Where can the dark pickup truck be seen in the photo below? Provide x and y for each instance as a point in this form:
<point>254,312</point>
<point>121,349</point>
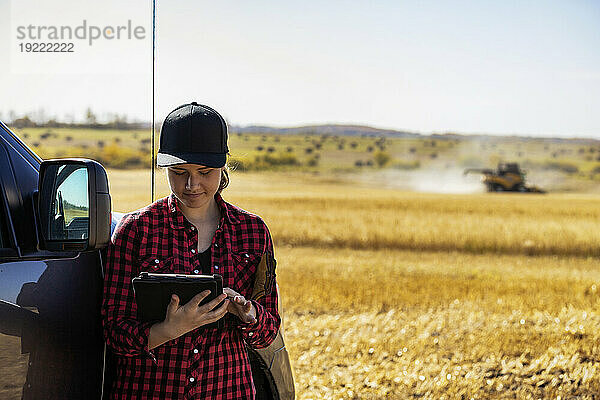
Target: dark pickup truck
<point>55,223</point>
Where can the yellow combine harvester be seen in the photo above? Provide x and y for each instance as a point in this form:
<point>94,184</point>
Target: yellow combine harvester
<point>508,178</point>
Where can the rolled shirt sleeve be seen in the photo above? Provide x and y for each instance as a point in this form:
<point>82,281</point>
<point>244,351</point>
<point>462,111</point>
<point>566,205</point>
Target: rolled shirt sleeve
<point>261,333</point>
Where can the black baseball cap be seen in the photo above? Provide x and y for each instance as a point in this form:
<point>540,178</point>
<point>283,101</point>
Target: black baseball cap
<point>195,134</point>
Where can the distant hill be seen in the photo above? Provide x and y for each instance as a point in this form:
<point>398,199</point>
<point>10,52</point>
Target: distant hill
<point>509,138</point>
<point>368,131</point>
<point>340,130</point>
<point>121,123</point>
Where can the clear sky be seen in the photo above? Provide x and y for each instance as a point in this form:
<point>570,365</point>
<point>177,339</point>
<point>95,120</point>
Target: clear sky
<point>500,67</point>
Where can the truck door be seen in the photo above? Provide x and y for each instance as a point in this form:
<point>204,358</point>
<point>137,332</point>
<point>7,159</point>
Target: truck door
<point>51,344</point>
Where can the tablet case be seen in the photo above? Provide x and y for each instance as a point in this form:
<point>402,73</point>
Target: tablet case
<point>153,293</point>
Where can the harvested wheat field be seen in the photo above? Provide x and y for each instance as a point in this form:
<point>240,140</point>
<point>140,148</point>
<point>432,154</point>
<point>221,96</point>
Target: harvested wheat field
<point>390,294</point>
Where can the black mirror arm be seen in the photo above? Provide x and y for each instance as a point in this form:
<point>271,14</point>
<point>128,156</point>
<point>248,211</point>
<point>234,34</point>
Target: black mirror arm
<point>36,218</point>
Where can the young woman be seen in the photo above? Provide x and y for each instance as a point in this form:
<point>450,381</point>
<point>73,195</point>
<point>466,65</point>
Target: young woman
<point>192,231</point>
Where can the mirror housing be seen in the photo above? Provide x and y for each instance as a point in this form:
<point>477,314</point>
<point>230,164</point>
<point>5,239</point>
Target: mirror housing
<point>73,205</point>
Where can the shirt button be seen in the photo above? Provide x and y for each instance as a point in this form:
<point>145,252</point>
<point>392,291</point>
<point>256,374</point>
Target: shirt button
<point>216,245</point>
<point>246,255</point>
<point>196,271</point>
<point>195,351</point>
<point>193,251</point>
<point>216,267</point>
<point>156,261</point>
<point>192,379</point>
<point>193,228</point>
<point>250,334</point>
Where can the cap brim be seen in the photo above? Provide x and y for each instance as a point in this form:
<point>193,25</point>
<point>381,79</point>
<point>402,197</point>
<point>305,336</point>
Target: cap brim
<point>213,160</point>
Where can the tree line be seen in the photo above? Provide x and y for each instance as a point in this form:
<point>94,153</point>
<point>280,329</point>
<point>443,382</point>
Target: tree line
<point>89,121</point>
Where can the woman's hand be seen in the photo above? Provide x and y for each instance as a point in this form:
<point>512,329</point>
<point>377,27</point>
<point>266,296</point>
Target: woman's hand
<point>182,319</point>
<point>241,307</point>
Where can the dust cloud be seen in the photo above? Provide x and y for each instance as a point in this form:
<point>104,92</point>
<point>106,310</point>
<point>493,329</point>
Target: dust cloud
<point>449,181</point>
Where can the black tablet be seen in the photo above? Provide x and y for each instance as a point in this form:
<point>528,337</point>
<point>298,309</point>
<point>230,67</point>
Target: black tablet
<point>153,293</point>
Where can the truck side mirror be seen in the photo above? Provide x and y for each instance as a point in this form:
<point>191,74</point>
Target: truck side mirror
<point>74,205</point>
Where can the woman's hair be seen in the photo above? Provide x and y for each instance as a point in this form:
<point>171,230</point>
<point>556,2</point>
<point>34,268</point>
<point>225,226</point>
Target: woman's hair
<point>224,178</point>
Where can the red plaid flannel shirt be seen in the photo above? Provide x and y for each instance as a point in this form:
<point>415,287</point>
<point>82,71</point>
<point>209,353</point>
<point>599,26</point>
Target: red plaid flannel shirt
<point>206,363</point>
